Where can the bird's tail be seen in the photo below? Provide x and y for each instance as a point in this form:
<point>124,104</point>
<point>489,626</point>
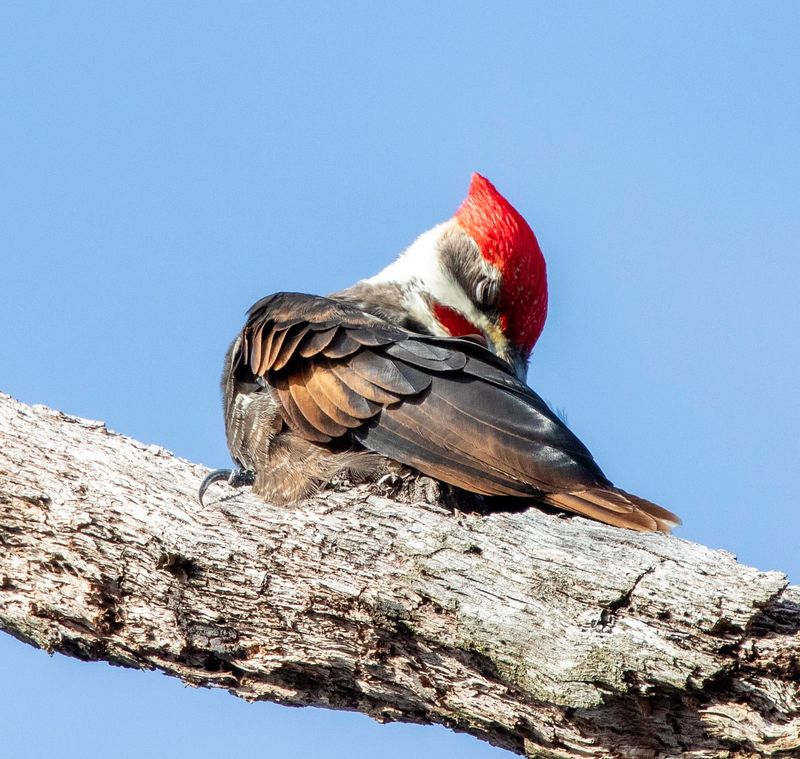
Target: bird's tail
<point>616,507</point>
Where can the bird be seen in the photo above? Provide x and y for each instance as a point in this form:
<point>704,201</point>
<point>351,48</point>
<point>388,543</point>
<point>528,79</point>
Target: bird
<point>423,365</point>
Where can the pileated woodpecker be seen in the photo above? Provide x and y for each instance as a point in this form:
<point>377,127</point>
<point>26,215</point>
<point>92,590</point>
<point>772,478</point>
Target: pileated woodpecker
<point>423,364</point>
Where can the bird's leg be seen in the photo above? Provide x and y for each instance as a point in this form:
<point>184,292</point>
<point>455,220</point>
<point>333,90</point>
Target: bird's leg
<point>236,478</point>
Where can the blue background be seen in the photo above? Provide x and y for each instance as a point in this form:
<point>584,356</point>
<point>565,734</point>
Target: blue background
<point>163,165</point>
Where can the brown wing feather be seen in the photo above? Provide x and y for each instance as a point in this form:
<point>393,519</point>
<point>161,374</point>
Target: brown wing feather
<point>325,387</point>
<point>278,337</point>
<point>342,345</point>
<point>611,507</point>
<point>266,338</point>
<point>316,342</point>
<point>341,395</point>
<point>294,416</point>
<point>421,448</point>
<point>289,346</point>
<point>362,386</point>
<point>311,410</point>
<point>382,371</point>
<point>258,346</point>
<point>479,459</point>
<point>373,337</point>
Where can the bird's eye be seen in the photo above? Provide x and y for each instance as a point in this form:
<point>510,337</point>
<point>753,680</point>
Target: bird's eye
<point>487,293</point>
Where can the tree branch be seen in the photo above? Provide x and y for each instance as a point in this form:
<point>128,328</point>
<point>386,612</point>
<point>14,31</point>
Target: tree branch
<point>548,636</point>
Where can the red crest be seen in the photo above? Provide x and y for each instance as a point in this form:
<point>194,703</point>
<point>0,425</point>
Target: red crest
<point>508,243</point>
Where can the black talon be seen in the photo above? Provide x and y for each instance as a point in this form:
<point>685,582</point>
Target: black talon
<point>236,478</point>
<point>211,478</point>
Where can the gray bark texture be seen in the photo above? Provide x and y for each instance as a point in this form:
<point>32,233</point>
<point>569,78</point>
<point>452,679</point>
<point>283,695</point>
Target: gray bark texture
<point>548,636</point>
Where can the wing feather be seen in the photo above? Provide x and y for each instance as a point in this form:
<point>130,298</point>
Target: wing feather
<point>316,341</point>
<point>432,357</point>
<point>287,350</point>
<point>372,338</point>
<point>387,374</point>
<point>278,338</point>
<point>342,345</point>
<point>266,340</point>
<point>255,355</point>
<point>364,397</point>
<point>312,412</point>
<point>612,507</point>
<point>362,386</point>
<point>494,433</point>
<point>412,447</point>
<point>325,387</point>
<point>292,414</point>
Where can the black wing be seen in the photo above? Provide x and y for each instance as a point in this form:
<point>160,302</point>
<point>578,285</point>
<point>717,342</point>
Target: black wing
<point>445,406</point>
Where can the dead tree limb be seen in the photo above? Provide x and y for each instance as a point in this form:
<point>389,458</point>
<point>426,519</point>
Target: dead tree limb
<point>550,637</point>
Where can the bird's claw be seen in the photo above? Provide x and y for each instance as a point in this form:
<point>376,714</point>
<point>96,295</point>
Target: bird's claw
<point>389,483</point>
<point>236,478</point>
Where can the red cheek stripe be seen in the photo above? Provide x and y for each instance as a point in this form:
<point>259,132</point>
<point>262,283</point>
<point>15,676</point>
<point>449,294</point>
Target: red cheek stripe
<point>454,322</point>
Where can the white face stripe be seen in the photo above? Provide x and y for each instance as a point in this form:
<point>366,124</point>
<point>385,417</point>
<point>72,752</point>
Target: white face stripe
<point>420,267</point>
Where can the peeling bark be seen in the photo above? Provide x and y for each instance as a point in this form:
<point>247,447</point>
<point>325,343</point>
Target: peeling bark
<point>548,636</point>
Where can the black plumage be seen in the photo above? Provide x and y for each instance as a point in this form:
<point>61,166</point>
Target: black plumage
<point>312,385</point>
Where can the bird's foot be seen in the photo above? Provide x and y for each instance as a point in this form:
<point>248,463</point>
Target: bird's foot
<point>236,478</point>
<point>390,483</point>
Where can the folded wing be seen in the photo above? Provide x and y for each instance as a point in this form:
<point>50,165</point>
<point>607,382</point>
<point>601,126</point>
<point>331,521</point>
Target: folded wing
<point>447,407</point>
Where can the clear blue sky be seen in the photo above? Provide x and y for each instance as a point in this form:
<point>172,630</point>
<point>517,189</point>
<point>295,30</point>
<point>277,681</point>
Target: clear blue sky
<point>163,165</point>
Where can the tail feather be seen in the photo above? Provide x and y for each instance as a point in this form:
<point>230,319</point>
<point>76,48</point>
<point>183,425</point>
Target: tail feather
<point>616,507</point>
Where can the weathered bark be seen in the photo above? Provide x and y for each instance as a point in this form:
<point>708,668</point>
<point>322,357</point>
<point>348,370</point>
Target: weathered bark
<point>548,636</point>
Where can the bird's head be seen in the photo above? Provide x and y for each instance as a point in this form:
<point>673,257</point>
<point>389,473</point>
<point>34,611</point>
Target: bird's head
<point>481,272</point>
